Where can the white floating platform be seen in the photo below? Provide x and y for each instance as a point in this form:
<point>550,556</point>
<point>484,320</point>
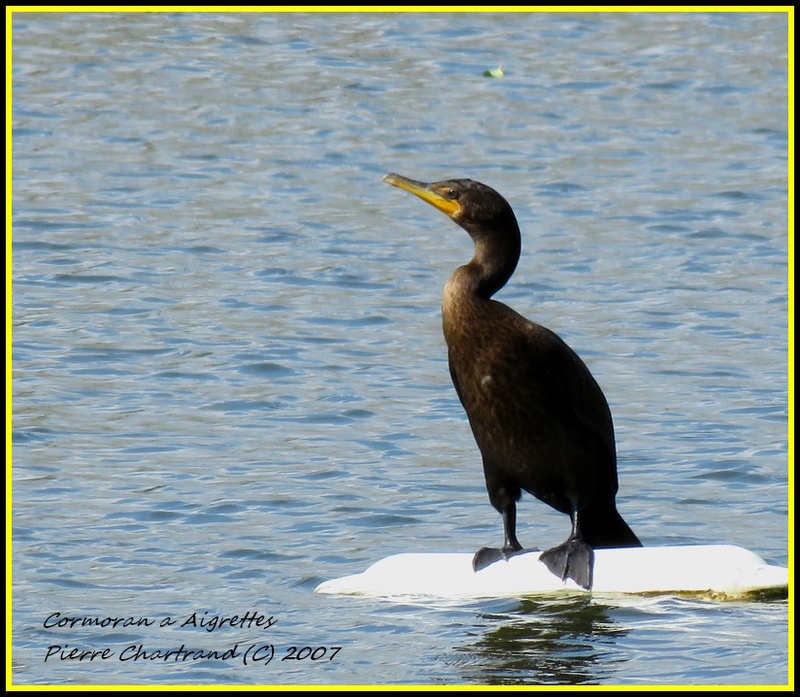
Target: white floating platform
<point>724,570</point>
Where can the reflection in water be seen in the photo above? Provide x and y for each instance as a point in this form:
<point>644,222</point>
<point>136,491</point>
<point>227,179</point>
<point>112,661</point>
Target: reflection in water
<point>550,642</point>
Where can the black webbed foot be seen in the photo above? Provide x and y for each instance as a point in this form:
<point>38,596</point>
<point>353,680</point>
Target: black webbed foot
<point>572,559</point>
<point>486,556</point>
<point>489,555</point>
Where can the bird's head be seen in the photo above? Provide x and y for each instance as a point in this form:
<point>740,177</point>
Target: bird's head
<point>474,206</point>
<point>485,215</point>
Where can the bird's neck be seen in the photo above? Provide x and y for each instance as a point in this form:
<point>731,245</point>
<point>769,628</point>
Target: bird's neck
<point>491,272</point>
<point>494,260</point>
<point>467,309</point>
<point>472,285</point>
<point>467,293</point>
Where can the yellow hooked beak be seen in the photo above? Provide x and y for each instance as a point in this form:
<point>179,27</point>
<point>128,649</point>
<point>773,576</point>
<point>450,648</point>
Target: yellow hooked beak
<point>427,192</point>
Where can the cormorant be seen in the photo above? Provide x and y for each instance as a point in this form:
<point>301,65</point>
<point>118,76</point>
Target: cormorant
<point>539,418</point>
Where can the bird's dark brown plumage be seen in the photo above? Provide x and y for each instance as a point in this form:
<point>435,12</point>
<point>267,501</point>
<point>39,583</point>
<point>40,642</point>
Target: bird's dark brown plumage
<point>539,418</point>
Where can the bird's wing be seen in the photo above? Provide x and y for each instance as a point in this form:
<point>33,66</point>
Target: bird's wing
<point>564,373</point>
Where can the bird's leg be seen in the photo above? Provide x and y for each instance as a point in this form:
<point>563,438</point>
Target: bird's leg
<point>512,544</point>
<point>488,555</point>
<point>572,559</point>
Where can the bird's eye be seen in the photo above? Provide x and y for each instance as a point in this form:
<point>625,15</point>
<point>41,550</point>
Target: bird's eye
<point>452,194</point>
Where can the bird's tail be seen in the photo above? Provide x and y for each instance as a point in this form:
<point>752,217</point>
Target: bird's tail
<point>606,528</point>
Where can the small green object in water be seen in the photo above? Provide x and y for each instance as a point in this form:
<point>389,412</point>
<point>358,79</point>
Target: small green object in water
<point>497,72</point>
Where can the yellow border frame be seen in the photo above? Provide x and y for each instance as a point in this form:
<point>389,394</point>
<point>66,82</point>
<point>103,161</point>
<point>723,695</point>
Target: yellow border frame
<point>11,10</point>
